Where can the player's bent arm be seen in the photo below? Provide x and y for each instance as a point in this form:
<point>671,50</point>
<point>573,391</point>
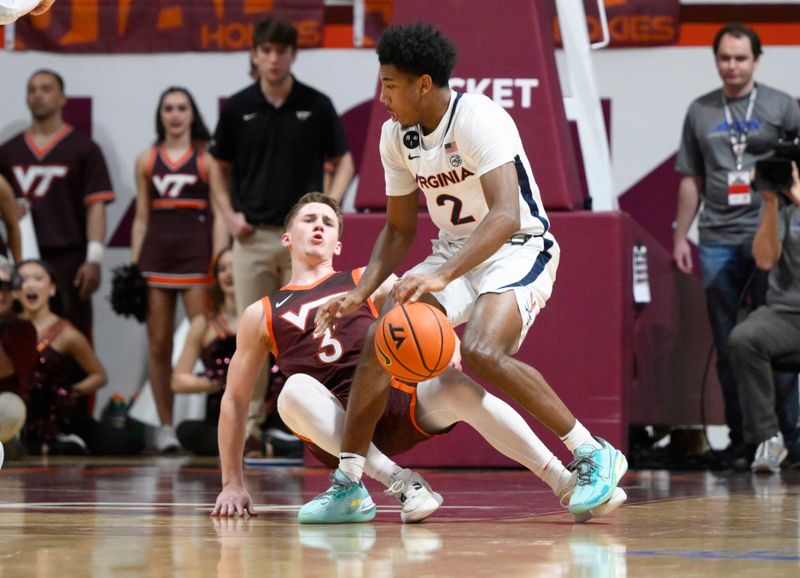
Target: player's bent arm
<point>142,214</point>
<point>501,189</point>
<point>8,211</point>
<point>183,379</point>
<point>392,244</point>
<point>252,345</point>
<point>766,242</point>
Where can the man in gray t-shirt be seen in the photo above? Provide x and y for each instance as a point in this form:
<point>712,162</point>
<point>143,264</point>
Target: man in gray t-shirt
<point>725,132</point>
<point>771,334</point>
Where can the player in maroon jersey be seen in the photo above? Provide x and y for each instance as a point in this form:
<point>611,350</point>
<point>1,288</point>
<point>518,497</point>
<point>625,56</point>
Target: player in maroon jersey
<point>63,175</point>
<point>321,369</point>
<point>172,236</point>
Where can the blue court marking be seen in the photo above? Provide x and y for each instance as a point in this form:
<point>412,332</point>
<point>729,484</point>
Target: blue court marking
<point>780,554</point>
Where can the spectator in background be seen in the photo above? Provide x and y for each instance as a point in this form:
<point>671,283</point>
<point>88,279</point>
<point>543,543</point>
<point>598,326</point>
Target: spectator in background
<point>270,147</point>
<point>771,334</point>
<point>212,339</point>
<point>17,362</point>
<point>66,376</point>
<point>725,132</point>
<point>8,214</point>
<point>63,175</point>
<point>172,241</point>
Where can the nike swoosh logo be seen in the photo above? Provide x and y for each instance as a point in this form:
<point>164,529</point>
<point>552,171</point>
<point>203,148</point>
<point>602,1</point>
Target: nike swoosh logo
<point>411,158</point>
<point>248,117</point>
<point>282,301</point>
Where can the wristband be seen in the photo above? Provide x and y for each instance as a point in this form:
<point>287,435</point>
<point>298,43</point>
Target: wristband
<point>94,252</point>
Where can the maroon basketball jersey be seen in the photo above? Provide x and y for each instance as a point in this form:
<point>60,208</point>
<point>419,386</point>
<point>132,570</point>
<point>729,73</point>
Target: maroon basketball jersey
<point>332,358</point>
<point>59,180</point>
<point>179,184</point>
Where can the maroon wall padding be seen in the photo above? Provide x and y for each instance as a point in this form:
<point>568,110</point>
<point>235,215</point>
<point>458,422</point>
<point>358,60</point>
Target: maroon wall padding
<point>613,363</point>
<point>513,43</point>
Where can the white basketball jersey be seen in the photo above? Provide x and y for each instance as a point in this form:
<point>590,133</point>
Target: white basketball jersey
<point>474,136</point>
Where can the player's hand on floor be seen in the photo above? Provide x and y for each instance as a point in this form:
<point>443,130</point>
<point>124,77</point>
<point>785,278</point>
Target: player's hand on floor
<point>331,311</point>
<point>234,501</point>
<point>410,288</point>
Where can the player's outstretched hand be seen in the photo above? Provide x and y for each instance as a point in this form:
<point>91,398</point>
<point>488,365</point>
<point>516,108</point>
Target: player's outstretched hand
<point>410,288</point>
<point>331,311</point>
<point>234,501</point>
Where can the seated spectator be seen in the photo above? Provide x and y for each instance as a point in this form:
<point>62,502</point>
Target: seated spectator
<point>17,361</point>
<point>66,377</point>
<point>212,339</point>
<point>769,338</point>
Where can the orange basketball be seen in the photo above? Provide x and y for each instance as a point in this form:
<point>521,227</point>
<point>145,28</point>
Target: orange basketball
<point>415,342</point>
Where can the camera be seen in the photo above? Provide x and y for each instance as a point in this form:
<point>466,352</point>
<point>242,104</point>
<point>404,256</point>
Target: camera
<point>775,174</point>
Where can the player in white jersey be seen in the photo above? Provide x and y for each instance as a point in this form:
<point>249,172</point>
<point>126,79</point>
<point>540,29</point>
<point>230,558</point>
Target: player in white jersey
<point>493,266</point>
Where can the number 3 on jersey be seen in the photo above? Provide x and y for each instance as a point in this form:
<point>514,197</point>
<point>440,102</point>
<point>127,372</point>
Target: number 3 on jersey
<point>455,214</point>
<point>330,350</point>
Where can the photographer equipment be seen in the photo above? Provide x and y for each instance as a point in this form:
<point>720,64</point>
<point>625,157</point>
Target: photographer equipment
<point>775,174</point>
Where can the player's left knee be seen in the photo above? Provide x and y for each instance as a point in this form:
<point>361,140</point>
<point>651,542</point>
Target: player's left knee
<point>479,354</point>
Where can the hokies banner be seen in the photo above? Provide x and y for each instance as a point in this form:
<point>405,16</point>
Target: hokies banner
<point>633,22</point>
<point>109,26</point>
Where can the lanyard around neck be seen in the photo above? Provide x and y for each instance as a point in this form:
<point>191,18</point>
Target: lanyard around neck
<point>739,139</point>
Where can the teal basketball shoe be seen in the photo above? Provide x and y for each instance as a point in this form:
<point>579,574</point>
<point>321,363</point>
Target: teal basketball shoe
<point>598,472</point>
<point>344,502</point>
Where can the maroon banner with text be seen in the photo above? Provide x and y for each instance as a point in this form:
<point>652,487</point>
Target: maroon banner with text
<point>109,26</point>
<point>633,22</point>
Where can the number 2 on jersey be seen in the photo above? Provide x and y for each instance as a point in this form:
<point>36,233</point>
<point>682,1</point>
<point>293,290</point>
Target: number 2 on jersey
<point>455,214</point>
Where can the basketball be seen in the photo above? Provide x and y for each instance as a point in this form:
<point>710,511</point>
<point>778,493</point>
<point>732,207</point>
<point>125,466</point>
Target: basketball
<point>415,342</point>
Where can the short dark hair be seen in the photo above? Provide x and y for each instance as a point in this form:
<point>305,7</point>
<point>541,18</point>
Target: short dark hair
<point>309,198</point>
<point>198,130</point>
<point>275,31</point>
<point>739,30</point>
<point>418,49</point>
<point>53,73</point>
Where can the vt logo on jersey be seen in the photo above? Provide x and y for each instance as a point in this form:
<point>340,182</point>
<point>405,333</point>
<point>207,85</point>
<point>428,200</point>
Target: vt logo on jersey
<point>43,174</point>
<point>170,186</point>
<point>300,318</point>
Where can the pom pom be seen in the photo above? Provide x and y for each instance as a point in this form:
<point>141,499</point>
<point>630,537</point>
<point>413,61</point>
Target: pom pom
<point>129,292</point>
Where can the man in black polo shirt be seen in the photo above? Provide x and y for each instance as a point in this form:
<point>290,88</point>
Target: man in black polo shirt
<point>270,147</point>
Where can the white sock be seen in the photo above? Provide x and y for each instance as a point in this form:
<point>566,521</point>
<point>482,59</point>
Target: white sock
<point>455,397</point>
<point>579,436</point>
<point>352,465</point>
<point>314,413</point>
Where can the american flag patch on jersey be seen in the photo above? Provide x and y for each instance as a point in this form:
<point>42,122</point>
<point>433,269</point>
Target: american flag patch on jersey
<point>451,147</point>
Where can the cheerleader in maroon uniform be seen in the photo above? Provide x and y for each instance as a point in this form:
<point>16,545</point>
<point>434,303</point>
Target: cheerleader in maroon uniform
<point>173,238</point>
<point>65,378</point>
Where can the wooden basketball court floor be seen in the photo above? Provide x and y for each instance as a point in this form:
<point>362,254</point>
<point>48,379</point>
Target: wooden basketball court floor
<point>149,517</point>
